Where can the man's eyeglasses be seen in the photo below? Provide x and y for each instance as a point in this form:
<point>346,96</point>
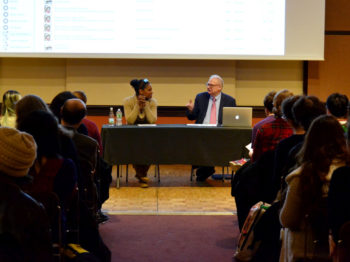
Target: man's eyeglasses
<point>211,85</point>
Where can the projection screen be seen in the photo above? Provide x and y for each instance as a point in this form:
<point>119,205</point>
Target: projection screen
<point>165,29</point>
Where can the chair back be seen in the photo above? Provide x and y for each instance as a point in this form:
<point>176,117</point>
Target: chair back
<point>73,218</point>
<point>316,243</point>
<point>53,210</point>
<point>343,245</point>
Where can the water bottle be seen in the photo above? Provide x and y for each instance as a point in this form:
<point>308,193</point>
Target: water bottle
<point>119,117</point>
<point>111,117</point>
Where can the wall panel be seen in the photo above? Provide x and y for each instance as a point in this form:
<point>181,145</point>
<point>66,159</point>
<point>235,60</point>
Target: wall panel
<point>337,15</point>
<point>331,75</point>
<point>43,77</point>
<point>174,82</point>
<point>106,81</point>
<point>256,78</point>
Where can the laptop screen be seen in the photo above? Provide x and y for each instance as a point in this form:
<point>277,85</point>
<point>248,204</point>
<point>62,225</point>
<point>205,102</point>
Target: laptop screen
<point>237,117</point>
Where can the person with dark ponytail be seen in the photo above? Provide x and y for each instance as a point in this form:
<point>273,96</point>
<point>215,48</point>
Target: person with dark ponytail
<point>141,108</point>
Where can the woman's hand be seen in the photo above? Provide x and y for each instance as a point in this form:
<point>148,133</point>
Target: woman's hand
<point>142,101</point>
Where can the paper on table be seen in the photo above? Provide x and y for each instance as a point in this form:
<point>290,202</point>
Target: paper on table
<point>146,125</point>
<point>201,124</point>
<point>249,146</point>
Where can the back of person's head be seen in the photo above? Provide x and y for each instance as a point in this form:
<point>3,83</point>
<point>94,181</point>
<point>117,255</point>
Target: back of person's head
<point>324,140</point>
<point>337,105</point>
<point>17,152</point>
<point>138,84</point>
<point>9,100</point>
<point>268,100</point>
<point>287,113</point>
<point>278,99</point>
<point>43,127</point>
<point>58,101</point>
<point>306,109</point>
<point>28,104</point>
<point>73,111</point>
<point>81,95</point>
<point>324,143</point>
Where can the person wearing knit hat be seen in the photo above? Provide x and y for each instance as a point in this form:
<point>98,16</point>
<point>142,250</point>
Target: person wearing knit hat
<point>24,225</point>
<point>17,152</point>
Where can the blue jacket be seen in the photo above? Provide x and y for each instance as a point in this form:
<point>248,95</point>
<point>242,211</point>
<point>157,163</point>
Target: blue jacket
<point>201,106</point>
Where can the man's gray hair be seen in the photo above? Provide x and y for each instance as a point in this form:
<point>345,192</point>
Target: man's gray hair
<point>217,77</point>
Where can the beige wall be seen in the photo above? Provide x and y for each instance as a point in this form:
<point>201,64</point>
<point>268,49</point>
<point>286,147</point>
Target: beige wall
<point>332,74</point>
<point>106,81</point>
<point>174,82</point>
<point>256,78</point>
<point>43,77</point>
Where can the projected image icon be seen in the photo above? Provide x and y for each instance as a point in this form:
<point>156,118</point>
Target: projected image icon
<point>47,37</point>
<point>47,9</point>
<point>47,28</point>
<point>47,19</point>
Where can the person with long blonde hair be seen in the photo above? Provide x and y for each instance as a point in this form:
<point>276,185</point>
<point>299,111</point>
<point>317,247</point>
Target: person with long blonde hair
<point>8,106</point>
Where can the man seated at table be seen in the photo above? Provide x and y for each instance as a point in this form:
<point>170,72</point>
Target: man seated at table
<point>207,109</point>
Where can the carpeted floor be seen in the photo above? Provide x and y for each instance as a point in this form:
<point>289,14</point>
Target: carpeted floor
<point>146,225</point>
<point>170,238</point>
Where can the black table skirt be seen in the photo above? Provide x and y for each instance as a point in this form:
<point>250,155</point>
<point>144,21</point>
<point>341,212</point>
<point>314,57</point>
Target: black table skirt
<point>174,144</point>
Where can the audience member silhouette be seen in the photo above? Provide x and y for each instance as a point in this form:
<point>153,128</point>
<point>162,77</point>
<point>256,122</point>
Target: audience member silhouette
<point>90,125</point>
<point>339,213</point>
<point>103,177</point>
<point>269,134</point>
<point>73,112</point>
<point>24,226</point>
<point>285,145</point>
<point>268,107</point>
<point>337,106</point>
<point>304,110</point>
<point>8,114</point>
<point>31,103</point>
<point>323,151</point>
<point>51,172</point>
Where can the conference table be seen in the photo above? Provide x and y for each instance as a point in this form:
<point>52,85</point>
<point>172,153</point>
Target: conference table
<point>192,144</point>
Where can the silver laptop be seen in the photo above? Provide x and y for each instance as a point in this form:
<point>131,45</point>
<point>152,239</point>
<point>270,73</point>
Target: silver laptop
<point>237,117</point>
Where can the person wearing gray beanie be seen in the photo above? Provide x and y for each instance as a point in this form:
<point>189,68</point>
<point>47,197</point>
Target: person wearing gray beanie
<point>17,152</point>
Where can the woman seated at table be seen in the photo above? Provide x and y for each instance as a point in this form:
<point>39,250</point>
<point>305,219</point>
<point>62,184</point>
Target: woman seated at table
<point>141,108</point>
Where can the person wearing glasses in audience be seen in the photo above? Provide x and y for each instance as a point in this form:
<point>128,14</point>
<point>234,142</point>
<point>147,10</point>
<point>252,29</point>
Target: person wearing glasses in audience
<point>141,108</point>
<point>207,109</point>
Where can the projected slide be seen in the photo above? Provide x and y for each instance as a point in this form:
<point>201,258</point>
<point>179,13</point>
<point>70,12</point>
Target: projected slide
<point>220,27</point>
